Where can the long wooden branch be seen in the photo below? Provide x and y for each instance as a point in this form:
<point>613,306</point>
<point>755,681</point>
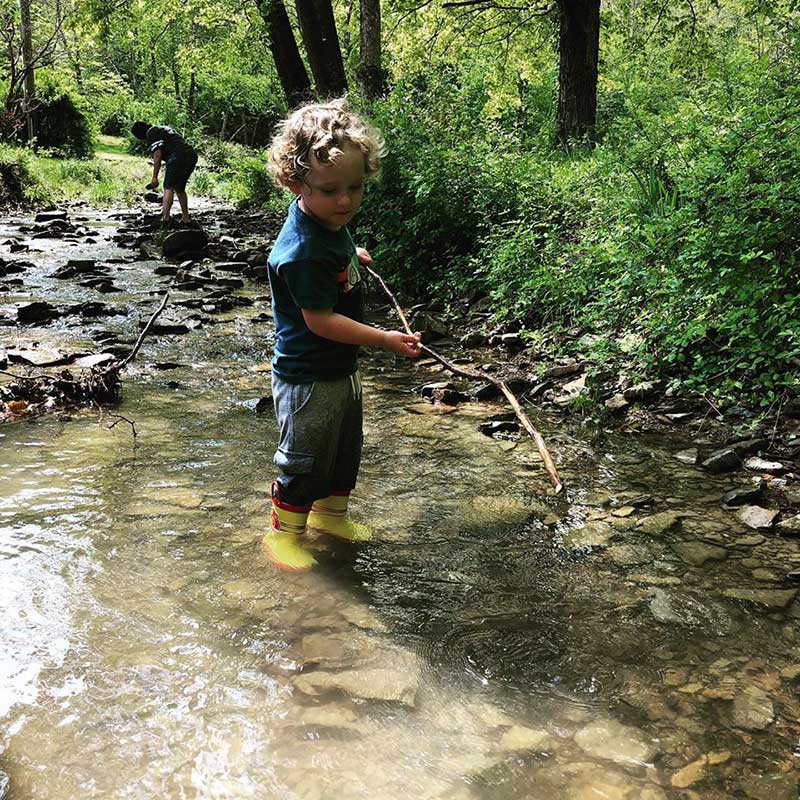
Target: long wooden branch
<point>477,375</point>
<point>144,332</point>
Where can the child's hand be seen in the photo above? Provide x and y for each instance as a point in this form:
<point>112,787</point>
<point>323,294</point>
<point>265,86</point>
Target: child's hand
<point>364,258</point>
<point>152,185</point>
<point>403,344</point>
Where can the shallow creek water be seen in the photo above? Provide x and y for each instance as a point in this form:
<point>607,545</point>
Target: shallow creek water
<point>490,642</point>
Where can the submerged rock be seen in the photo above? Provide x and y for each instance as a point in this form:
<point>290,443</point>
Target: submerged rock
<point>399,686</point>
<point>772,599</point>
<point>697,553</point>
<point>656,524</point>
<point>521,738</point>
<point>752,709</point>
<point>771,787</point>
<point>613,741</point>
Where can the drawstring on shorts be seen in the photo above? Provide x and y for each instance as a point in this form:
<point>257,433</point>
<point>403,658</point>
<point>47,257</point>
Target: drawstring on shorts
<point>355,385</point>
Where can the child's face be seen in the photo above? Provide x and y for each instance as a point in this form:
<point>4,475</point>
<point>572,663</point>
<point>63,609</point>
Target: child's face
<point>332,193</point>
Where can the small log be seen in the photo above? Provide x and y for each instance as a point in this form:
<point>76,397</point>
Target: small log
<point>477,375</point>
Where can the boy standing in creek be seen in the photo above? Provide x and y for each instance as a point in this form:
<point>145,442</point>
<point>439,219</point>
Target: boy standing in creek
<point>323,154</point>
<point>170,148</point>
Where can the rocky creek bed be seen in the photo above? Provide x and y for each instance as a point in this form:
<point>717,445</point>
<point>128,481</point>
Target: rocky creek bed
<point>633,639</point>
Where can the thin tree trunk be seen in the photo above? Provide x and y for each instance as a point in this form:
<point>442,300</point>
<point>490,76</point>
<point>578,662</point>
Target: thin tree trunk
<point>192,93</point>
<point>318,29</point>
<point>288,63</point>
<point>27,65</point>
<point>371,74</point>
<point>579,43</point>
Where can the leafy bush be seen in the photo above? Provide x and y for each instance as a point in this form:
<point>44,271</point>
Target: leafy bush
<point>16,180</point>
<point>61,122</point>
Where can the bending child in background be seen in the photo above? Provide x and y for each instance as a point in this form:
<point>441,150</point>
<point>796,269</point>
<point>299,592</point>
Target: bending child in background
<point>323,154</point>
<point>169,147</point>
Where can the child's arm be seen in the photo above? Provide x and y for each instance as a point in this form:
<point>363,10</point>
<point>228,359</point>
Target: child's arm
<point>342,329</point>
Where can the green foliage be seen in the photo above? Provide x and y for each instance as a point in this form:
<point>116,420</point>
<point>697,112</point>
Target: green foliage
<point>61,122</point>
<point>17,184</point>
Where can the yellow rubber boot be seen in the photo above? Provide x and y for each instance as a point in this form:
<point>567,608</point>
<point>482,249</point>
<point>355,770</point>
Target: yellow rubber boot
<point>330,516</point>
<point>283,543</point>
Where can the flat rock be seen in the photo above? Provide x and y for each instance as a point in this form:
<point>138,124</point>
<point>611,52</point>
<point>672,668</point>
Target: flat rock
<point>753,540</point>
<point>38,311</point>
<point>189,240</point>
<point>789,527</point>
<point>688,456</point>
<point>613,741</point>
<point>662,608</point>
<point>231,266</point>
<point>761,465</point>
<point>743,495</point>
<point>656,524</point>
<point>724,460</point>
<point>97,360</point>
<point>690,774</point>
<point>592,534</point>
<point>697,553</point>
<point>752,709</point>
<point>772,599</point>
<point>398,686</point>
<point>332,717</point>
<point>628,555</point>
<point>616,403</point>
<point>757,517</point>
<point>521,738</point>
<point>770,787</point>
<point>47,216</point>
<point>430,408</point>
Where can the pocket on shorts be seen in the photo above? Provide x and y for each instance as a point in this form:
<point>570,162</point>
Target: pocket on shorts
<point>299,397</point>
<point>291,462</point>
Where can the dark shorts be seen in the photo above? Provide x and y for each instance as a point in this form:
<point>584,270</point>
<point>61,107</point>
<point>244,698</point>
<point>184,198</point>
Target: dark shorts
<point>179,167</point>
<point>320,437</point>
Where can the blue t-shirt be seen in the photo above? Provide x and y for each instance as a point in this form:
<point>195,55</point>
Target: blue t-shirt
<point>314,268</point>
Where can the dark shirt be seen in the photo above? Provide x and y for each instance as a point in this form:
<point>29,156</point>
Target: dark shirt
<point>313,268</point>
<point>164,138</point>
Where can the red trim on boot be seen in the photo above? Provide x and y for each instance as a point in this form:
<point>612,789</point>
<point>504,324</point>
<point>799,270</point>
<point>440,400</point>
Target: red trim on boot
<point>284,505</point>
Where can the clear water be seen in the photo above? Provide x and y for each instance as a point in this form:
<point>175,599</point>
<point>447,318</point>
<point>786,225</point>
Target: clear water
<point>474,649</point>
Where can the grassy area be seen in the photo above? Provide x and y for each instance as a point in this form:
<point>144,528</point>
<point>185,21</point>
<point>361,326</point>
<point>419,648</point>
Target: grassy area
<point>113,177</point>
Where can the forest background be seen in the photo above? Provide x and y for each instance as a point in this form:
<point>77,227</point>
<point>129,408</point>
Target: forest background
<point>617,181</point>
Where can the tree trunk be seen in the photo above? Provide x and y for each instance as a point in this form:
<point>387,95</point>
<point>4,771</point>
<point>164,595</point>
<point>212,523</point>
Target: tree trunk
<point>579,43</point>
<point>27,64</point>
<point>288,63</point>
<point>321,42</point>
<point>371,74</point>
<point>192,93</point>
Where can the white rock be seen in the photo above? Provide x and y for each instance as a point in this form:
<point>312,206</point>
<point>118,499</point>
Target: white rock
<point>613,741</point>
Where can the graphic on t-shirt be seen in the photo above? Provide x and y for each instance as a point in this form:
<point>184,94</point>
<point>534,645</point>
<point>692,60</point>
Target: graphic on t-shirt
<point>350,276</point>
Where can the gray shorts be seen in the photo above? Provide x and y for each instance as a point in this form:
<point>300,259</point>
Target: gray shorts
<point>321,436</point>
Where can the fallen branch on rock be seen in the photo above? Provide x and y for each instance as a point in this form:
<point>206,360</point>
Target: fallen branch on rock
<point>32,395</point>
<point>477,375</point>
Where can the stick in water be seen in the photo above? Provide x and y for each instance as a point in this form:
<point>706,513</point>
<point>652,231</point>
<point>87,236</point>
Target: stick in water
<point>476,375</point>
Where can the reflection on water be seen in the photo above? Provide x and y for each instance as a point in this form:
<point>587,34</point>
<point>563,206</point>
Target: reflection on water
<point>491,642</point>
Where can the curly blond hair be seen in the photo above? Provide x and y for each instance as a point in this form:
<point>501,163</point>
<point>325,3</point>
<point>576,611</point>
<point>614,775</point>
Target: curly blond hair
<point>322,130</point>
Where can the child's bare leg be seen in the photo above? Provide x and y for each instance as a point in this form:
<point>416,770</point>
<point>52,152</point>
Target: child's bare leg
<point>169,196</point>
<point>184,203</point>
